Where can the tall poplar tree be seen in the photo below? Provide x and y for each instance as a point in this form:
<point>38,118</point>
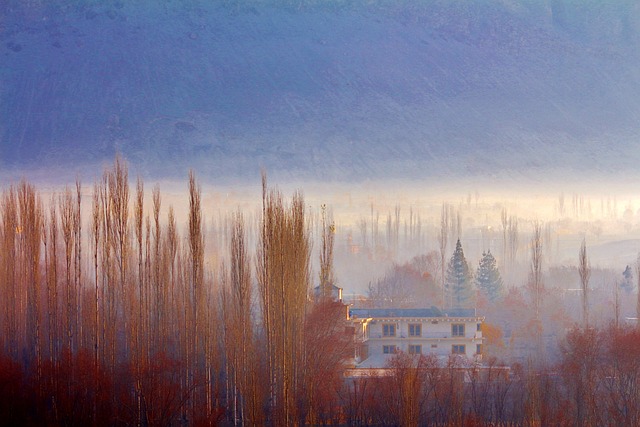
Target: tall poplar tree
<point>283,274</point>
<point>584,269</point>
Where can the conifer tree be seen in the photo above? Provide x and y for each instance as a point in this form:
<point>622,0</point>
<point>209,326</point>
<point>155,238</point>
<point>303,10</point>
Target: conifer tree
<point>459,285</point>
<point>488,278</point>
<point>627,281</point>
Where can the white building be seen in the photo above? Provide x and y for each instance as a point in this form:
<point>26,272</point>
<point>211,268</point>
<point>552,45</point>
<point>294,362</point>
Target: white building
<point>380,333</point>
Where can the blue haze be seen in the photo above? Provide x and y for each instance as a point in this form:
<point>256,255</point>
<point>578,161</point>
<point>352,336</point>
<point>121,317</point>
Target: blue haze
<point>326,90</point>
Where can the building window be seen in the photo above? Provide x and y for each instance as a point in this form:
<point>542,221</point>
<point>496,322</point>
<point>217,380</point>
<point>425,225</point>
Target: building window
<point>389,349</point>
<point>479,327</point>
<point>415,349</point>
<point>458,349</point>
<point>457,330</point>
<point>434,345</point>
<point>415,329</point>
<point>478,348</point>
<point>389,330</point>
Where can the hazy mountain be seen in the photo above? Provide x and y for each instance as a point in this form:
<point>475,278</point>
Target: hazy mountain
<point>337,90</point>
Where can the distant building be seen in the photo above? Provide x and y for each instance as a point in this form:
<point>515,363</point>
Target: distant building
<point>381,333</point>
<point>329,291</point>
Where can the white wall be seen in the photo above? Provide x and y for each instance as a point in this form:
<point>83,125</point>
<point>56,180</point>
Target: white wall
<point>436,336</point>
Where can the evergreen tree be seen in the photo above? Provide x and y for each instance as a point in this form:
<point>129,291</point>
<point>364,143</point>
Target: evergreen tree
<point>459,284</point>
<point>627,282</point>
<point>488,277</point>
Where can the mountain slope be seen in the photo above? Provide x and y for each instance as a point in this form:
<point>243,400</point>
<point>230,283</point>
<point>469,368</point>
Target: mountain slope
<point>333,90</point>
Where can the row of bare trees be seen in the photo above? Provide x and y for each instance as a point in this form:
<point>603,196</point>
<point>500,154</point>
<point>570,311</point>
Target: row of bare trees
<point>127,323</point>
<point>595,383</point>
<point>422,390</point>
<point>600,369</point>
<point>114,315</point>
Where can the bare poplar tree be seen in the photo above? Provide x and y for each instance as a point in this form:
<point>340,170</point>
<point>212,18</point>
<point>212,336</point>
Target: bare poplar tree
<point>584,270</point>
<point>30,221</point>
<point>512,233</point>
<point>616,304</point>
<point>453,232</point>
<point>77,265</point>
<point>283,277</point>
<point>375,229</point>
<point>504,222</point>
<point>638,287</point>
<point>196,258</point>
<point>241,343</point>
<point>107,277</point>
<point>536,286</point>
<point>96,216</point>
<point>54,297</point>
<point>119,238</point>
<point>171,252</point>
<point>443,240</point>
<point>327,278</point>
<point>362,226</point>
<point>147,302</point>
<point>49,237</point>
<point>159,288</point>
<point>67,212</point>
<point>389,233</point>
<point>138,327</point>
<point>396,230</point>
<point>10,232</point>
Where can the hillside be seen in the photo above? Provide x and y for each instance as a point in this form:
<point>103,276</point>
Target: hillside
<point>341,90</point>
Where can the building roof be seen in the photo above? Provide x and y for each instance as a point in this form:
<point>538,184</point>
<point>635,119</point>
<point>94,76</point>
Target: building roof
<point>333,287</point>
<point>411,312</point>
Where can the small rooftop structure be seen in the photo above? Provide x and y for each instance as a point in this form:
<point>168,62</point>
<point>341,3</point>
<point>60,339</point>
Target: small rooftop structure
<point>330,290</point>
